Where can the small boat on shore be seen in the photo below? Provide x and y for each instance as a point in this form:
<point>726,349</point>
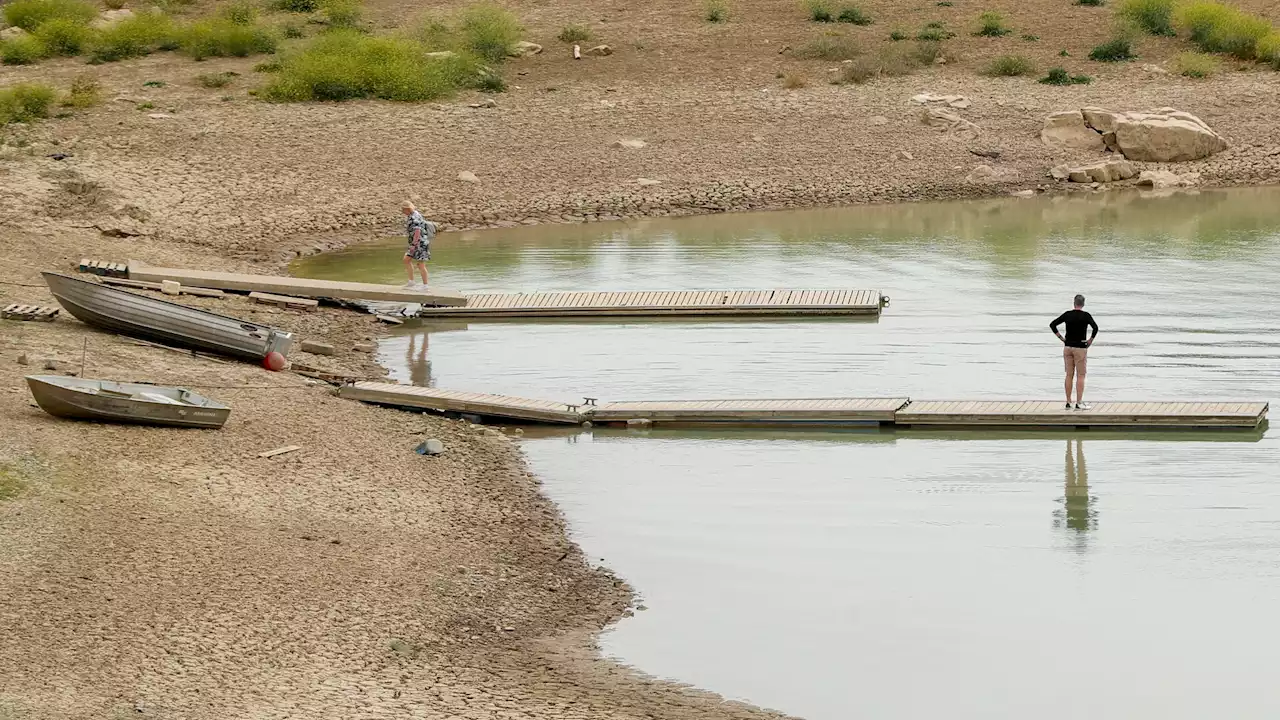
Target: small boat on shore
<point>165,322</point>
<point>107,401</point>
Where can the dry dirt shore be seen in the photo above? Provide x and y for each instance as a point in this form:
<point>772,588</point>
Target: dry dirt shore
<point>158,573</point>
<point>149,572</point>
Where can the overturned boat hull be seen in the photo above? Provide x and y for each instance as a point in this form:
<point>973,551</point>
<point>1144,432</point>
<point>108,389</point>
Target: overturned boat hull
<point>165,322</point>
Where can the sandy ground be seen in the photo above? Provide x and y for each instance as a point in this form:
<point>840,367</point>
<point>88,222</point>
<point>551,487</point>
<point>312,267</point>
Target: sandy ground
<point>153,572</point>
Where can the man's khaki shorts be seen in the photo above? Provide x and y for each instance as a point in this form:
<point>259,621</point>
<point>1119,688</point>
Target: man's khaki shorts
<point>1076,360</point>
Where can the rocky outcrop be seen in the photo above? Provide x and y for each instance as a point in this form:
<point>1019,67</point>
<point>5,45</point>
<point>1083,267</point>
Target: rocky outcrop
<point>1164,135</point>
<point>110,17</point>
<point>1102,171</point>
<point>1162,179</point>
<point>1067,130</point>
<point>599,51</point>
<point>949,122</point>
<point>987,175</point>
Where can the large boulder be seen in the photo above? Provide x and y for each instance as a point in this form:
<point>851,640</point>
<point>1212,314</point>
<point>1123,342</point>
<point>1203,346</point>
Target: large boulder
<point>1166,135</point>
<point>1067,131</point>
<point>12,33</point>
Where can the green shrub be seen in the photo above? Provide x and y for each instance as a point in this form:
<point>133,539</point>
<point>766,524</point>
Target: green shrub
<point>240,12</point>
<point>297,6</point>
<point>1269,49</point>
<point>489,31</point>
<point>25,102</point>
<point>1153,16</point>
<point>85,92</point>
<point>716,11</point>
<point>1059,76</point>
<point>893,61</point>
<point>574,34</point>
<point>1196,65</point>
<point>1031,38</point>
<point>1199,19</point>
<point>63,36</point>
<point>854,15</point>
<point>828,48</point>
<point>898,35</point>
<point>1238,36</point>
<point>291,30</point>
<point>342,13</point>
<point>136,36</point>
<point>345,65</point>
<point>491,82</point>
<point>820,11</point>
<point>21,50</point>
<point>114,4</point>
<point>1116,50</point>
<point>31,14</point>
<point>934,32</point>
<point>794,80</point>
<point>223,38</point>
<point>927,51</point>
<point>1091,3</point>
<point>215,80</point>
<point>991,24</point>
<point>1010,66</point>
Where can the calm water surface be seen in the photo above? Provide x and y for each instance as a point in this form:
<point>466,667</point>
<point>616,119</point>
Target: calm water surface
<point>911,574</point>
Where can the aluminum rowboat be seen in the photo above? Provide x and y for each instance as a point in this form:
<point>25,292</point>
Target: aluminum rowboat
<point>106,401</point>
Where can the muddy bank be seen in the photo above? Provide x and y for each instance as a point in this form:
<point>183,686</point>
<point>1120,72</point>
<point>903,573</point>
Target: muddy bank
<point>156,572</point>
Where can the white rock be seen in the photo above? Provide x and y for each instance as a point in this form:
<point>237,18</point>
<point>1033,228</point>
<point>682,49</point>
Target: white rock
<point>958,102</point>
<point>1101,171</point>
<point>646,182</point>
<point>1066,130</point>
<point>467,176</point>
<point>1023,193</point>
<point>441,54</point>
<point>486,103</point>
<point>524,48</point>
<point>11,33</point>
<point>159,116</point>
<point>1161,179</point>
<point>950,122</point>
<point>110,17</point>
<point>431,447</point>
<point>985,175</point>
<point>1154,69</point>
<point>629,143</point>
<point>878,120</point>
<point>598,51</point>
<point>903,155</point>
<point>170,287</point>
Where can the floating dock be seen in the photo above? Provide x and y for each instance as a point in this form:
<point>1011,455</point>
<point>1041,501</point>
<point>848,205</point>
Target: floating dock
<point>665,303</point>
<point>898,412</point>
<point>294,287</point>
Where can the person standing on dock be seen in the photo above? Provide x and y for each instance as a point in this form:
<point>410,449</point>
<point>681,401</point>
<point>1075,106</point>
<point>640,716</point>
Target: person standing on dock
<point>420,232</point>
<point>1075,350</point>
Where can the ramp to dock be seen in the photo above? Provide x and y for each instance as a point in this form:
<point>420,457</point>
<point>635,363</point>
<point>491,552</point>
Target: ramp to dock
<point>661,303</point>
<point>899,412</point>
<point>501,406</point>
<point>295,287</point>
<point>1046,413</point>
<point>817,411</point>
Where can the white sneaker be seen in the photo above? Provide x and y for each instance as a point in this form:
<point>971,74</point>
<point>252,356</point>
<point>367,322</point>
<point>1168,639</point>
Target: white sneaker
<point>410,284</point>
<point>1083,406</point>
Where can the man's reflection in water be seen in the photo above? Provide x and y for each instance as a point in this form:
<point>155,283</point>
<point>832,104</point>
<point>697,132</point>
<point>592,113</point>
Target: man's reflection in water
<point>415,359</point>
<point>1076,514</point>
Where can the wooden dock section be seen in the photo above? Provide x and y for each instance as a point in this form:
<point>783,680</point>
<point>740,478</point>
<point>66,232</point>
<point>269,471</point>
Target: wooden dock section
<point>815,411</point>
<point>897,412</point>
<point>294,287</point>
<point>498,406</point>
<point>663,303</point>
<point>1052,413</point>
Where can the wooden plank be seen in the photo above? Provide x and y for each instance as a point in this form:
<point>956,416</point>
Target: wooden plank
<point>665,302</point>
<point>503,406</point>
<point>279,451</point>
<point>296,287</point>
<point>282,301</point>
<point>1106,414</point>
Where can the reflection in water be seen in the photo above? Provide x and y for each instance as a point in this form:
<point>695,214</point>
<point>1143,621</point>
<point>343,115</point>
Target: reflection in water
<point>1076,514</point>
<point>416,363</point>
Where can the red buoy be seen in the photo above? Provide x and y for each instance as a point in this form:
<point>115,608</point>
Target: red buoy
<point>274,361</point>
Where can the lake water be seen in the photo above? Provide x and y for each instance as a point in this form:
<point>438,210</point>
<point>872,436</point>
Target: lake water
<point>979,574</point>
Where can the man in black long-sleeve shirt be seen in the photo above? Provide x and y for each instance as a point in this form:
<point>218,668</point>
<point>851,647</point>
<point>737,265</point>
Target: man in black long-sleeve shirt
<point>1075,350</point>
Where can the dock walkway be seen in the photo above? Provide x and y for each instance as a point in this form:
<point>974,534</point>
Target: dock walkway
<point>898,412</point>
<point>665,303</point>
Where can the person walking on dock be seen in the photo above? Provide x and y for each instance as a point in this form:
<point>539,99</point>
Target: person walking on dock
<point>420,232</point>
<point>1075,350</point>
